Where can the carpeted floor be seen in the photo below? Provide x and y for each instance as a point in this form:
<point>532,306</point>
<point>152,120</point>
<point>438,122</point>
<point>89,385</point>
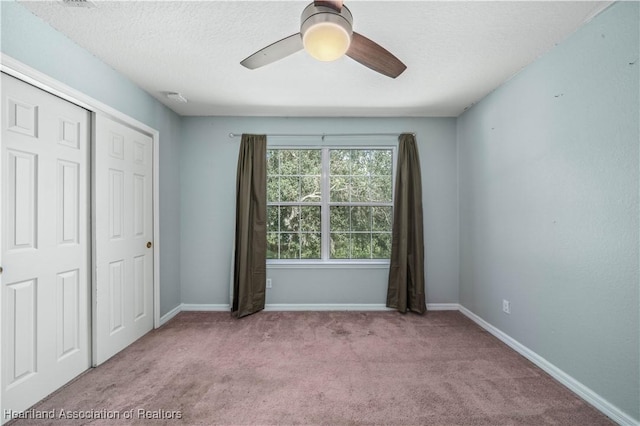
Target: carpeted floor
<point>331,368</point>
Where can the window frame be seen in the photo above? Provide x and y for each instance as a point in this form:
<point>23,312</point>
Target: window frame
<point>325,205</point>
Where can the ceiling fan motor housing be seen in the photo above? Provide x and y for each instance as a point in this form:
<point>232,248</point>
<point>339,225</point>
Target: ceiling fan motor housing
<point>318,23</point>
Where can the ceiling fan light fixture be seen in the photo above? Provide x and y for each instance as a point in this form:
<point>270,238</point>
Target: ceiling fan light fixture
<point>326,32</point>
<point>326,41</point>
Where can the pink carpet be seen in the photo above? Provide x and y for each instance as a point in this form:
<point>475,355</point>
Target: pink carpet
<point>330,368</point>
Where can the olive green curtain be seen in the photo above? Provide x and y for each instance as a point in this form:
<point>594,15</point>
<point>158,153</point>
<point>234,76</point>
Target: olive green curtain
<point>406,271</point>
<point>250,254</point>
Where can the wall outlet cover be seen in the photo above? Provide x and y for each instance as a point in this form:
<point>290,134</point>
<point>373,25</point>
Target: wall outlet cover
<point>506,306</point>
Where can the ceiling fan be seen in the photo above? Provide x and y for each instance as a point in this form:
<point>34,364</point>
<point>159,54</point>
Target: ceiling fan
<point>326,33</point>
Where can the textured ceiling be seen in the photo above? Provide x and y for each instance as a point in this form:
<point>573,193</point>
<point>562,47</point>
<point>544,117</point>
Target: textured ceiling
<point>456,52</point>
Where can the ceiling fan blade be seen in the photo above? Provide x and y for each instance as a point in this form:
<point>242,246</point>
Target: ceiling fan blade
<point>276,51</point>
<point>336,5</point>
<point>372,55</point>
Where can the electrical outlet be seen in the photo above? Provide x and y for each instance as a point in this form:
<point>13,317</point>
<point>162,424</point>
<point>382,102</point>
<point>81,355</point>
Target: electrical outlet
<point>506,306</point>
<point>268,282</point>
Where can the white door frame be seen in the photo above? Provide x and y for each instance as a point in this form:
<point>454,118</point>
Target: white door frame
<point>38,79</point>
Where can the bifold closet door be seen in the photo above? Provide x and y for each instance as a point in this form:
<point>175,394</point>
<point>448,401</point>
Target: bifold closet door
<point>45,329</point>
<point>123,233</point>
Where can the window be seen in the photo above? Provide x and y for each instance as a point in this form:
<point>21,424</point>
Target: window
<point>329,203</point>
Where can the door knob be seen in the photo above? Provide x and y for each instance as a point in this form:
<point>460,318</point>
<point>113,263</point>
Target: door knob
<point>1,269</point>
<point>149,244</point>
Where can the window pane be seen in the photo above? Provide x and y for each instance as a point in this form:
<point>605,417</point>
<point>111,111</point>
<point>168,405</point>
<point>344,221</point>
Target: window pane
<point>359,189</point>
<point>339,161</point>
<point>340,245</point>
<point>361,218</point>
<point>340,218</point>
<point>310,218</point>
<point>273,191</point>
<point>339,191</point>
<point>357,176</point>
<point>289,189</point>
<point>382,162</point>
<point>381,189</point>
<point>311,189</point>
<point>289,246</point>
<point>361,246</point>
<point>310,246</point>
<point>310,162</point>
<point>272,218</point>
<point>382,218</point>
<point>381,246</point>
<point>272,245</point>
<point>272,161</point>
<point>360,159</point>
<point>289,162</point>
<point>289,219</point>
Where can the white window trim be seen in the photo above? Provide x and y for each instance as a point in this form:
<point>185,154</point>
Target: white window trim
<point>328,264</point>
<point>326,261</point>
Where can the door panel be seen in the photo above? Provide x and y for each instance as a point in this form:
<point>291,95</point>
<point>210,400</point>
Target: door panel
<point>68,202</point>
<point>45,246</point>
<point>21,310</point>
<point>21,202</point>
<point>68,326</point>
<point>124,235</point>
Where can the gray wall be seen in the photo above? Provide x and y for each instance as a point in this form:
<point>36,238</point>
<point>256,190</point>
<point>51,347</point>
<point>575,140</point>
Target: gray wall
<point>208,174</point>
<point>548,174</point>
<point>28,39</point>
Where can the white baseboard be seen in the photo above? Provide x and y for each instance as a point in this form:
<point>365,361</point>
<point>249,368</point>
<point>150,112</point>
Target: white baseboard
<point>325,307</point>
<point>210,307</point>
<point>169,315</point>
<point>350,307</point>
<point>608,409</point>
<point>443,307</point>
<point>186,307</point>
<point>273,307</point>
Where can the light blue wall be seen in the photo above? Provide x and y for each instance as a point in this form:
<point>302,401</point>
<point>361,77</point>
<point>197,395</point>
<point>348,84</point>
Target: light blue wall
<point>208,167</point>
<point>549,205</point>
<point>28,39</point>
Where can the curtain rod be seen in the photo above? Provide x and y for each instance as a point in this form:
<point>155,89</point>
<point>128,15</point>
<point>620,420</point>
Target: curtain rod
<point>323,135</point>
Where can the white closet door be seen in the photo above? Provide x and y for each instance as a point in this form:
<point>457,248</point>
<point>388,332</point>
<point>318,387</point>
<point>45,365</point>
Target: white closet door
<point>45,247</point>
<point>123,200</point>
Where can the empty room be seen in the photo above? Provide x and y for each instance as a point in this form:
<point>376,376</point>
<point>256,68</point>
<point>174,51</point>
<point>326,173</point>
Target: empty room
<point>321,212</point>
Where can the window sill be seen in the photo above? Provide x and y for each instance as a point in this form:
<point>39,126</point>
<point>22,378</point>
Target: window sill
<point>310,264</point>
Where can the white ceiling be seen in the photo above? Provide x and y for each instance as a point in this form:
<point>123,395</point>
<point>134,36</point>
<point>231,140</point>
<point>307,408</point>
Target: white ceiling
<point>455,52</point>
